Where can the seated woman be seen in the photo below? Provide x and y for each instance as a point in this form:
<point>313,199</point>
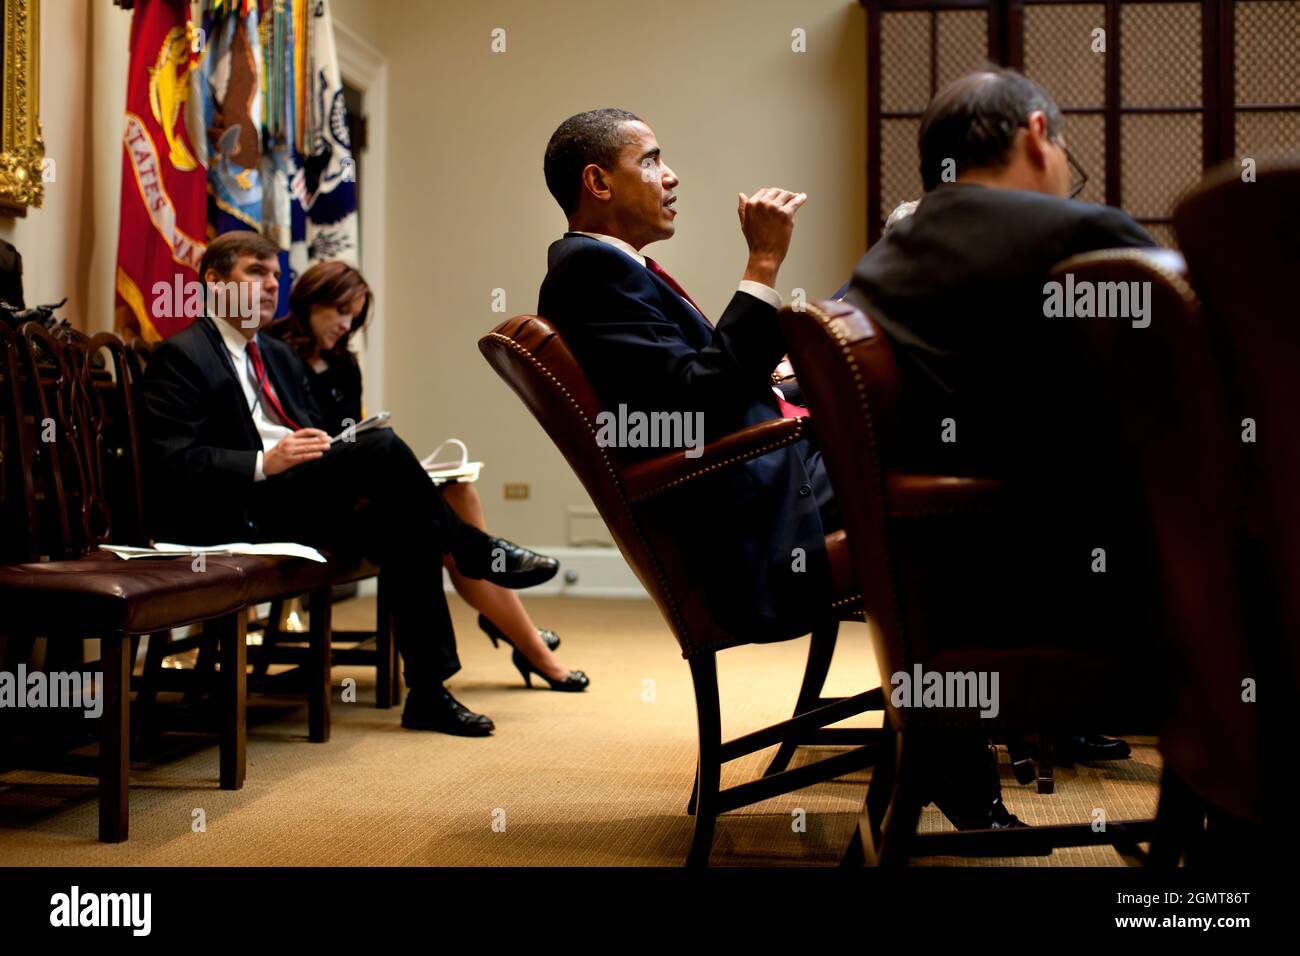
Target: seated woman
<point>328,303</point>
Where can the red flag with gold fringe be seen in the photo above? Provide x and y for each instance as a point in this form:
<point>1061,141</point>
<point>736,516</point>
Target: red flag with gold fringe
<point>164,182</point>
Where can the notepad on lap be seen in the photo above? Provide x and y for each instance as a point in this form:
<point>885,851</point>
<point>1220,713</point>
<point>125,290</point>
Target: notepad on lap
<point>374,421</point>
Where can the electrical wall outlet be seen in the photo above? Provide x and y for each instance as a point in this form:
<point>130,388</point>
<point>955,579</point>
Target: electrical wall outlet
<point>516,491</point>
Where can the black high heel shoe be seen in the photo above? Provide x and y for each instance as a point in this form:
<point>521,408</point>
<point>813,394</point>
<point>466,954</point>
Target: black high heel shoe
<point>575,681</point>
<point>494,633</point>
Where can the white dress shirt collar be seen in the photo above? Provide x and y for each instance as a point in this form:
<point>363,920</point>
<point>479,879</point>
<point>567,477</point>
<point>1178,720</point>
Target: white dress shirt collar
<point>233,338</point>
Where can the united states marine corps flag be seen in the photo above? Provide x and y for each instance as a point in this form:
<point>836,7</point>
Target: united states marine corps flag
<point>164,185</point>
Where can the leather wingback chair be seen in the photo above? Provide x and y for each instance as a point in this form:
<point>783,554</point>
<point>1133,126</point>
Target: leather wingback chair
<point>635,498</point>
<point>1242,243</point>
<point>940,561</point>
<point>1172,403</point>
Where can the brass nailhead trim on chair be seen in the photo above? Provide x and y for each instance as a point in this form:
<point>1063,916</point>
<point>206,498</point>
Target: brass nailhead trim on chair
<point>843,343</point>
<point>794,437</point>
<point>683,633</point>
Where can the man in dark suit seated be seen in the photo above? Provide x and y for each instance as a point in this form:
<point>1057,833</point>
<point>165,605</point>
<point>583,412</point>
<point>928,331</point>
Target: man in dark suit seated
<point>646,345</point>
<point>990,383</point>
<point>234,452</point>
<point>756,531</point>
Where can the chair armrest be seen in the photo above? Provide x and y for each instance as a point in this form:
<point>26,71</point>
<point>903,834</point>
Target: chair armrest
<point>645,479</point>
<point>920,496</point>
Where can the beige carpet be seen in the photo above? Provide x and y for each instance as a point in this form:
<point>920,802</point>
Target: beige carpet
<point>593,779</point>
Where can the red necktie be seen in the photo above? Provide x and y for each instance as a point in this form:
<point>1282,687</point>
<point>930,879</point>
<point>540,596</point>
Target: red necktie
<point>673,284</point>
<point>788,410</point>
<point>264,384</point>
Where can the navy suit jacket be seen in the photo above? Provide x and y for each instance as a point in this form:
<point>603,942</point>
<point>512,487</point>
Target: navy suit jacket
<point>200,443</point>
<point>643,346</point>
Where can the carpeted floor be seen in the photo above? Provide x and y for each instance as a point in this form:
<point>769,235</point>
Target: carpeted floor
<point>593,779</point>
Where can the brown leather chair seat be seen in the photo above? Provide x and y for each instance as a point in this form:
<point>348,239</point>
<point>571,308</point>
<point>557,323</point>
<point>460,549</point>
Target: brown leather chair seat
<point>268,577</point>
<point>58,598</point>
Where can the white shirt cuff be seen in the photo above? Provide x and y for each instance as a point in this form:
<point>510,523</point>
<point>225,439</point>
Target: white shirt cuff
<point>258,474</point>
<point>762,292</point>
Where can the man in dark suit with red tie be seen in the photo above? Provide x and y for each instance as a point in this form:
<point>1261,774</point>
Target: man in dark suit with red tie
<point>234,452</point>
<point>647,345</point>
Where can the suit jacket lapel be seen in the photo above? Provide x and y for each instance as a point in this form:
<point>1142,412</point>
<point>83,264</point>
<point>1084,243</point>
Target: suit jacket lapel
<point>227,364</point>
<point>286,387</point>
<point>695,326</point>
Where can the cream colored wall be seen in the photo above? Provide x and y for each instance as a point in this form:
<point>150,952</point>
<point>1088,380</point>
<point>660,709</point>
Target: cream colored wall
<point>468,212</point>
<point>56,241</point>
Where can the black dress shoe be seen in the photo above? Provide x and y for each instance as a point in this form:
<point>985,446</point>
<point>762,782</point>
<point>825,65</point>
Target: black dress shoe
<point>966,788</point>
<point>513,567</point>
<point>494,633</point>
<point>574,681</point>
<point>438,710</point>
<point>968,814</point>
<point>1087,748</point>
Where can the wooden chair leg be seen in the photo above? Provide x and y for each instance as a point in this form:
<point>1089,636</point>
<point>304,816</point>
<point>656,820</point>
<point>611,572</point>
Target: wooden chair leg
<point>695,791</point>
<point>1046,771</point>
<point>234,699</point>
<point>708,775</point>
<point>855,853</point>
<point>1180,821</point>
<point>821,649</point>
<point>319,683</point>
<point>204,668</point>
<point>385,685</point>
<point>270,635</point>
<point>881,788</point>
<point>114,739</point>
<point>146,725</point>
<point>899,829</point>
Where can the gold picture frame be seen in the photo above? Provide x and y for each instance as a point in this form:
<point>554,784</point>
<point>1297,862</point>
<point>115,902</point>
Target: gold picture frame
<point>22,150</point>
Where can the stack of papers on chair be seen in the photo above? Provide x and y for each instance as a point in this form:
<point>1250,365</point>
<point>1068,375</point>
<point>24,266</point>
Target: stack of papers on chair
<point>288,549</point>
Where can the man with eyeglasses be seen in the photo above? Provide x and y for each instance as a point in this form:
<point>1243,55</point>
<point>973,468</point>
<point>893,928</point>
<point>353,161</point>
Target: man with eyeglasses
<point>991,386</point>
<point>958,285</point>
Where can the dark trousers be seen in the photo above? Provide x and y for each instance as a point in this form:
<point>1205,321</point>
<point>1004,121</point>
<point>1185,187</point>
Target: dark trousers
<point>371,497</point>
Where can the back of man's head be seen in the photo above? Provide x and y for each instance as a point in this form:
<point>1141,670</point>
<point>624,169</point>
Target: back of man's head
<point>971,124</point>
<point>595,136</point>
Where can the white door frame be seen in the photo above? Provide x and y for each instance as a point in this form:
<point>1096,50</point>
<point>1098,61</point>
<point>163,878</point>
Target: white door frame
<point>363,67</point>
